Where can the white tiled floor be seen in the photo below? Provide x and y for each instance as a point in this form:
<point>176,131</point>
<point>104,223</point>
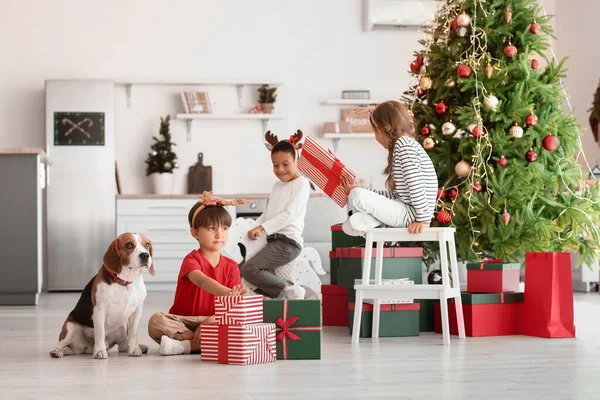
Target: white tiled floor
<point>504,368</point>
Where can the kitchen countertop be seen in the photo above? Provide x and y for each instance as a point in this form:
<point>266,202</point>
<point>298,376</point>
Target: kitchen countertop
<point>249,196</point>
<point>28,150</point>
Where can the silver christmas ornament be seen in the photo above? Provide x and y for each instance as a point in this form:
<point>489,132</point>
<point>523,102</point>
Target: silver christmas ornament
<point>448,128</point>
<point>490,102</point>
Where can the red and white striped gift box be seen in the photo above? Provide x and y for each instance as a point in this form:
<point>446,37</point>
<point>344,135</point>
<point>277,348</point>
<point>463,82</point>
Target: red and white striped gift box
<point>322,167</point>
<point>238,344</point>
<point>238,310</point>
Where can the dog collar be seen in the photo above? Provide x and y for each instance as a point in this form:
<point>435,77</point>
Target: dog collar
<point>116,279</point>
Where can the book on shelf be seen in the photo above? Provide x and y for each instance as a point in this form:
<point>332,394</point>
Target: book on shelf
<point>196,102</point>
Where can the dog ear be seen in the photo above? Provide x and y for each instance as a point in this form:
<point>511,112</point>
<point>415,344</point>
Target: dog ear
<point>151,252</point>
<point>112,259</point>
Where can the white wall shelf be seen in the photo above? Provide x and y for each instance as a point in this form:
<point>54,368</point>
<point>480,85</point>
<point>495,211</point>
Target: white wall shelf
<point>188,118</point>
<point>350,102</point>
<point>337,136</point>
<point>188,82</point>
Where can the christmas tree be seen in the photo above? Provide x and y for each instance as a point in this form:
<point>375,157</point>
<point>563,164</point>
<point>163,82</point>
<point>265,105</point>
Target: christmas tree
<point>491,119</point>
<point>161,159</point>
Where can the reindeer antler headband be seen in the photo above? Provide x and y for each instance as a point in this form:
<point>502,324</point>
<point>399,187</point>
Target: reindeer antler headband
<point>294,140</point>
<point>208,199</point>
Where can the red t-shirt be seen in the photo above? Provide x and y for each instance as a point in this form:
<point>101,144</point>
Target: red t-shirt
<point>192,301</point>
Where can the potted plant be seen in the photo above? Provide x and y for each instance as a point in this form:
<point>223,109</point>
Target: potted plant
<point>267,98</point>
<point>161,160</point>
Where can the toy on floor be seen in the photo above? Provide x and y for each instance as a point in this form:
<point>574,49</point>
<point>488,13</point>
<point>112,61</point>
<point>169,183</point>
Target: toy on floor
<point>304,270</point>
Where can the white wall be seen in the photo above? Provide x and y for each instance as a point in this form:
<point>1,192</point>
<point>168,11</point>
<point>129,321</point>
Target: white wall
<point>577,33</point>
<point>316,48</point>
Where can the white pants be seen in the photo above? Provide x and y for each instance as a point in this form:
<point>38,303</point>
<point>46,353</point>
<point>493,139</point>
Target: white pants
<point>392,213</point>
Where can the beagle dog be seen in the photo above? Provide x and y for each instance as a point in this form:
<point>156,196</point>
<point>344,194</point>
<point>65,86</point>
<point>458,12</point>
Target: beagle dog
<point>110,307</point>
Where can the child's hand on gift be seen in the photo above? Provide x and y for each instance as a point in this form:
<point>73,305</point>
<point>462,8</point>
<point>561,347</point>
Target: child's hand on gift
<point>417,227</point>
<point>347,185</point>
<point>254,233</point>
<point>238,290</point>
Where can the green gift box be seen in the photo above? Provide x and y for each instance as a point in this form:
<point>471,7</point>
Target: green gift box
<point>395,320</point>
<point>299,325</point>
<point>334,262</point>
<point>426,315</point>
<point>492,298</point>
<point>340,239</point>
<point>398,263</point>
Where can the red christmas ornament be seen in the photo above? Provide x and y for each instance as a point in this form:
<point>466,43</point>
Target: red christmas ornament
<point>415,66</point>
<point>535,64</point>
<point>420,92</point>
<point>464,71</point>
<point>535,28</point>
<point>453,194</point>
<point>531,155</point>
<point>441,108</point>
<point>477,187</point>
<point>478,131</point>
<point>550,143</point>
<point>510,51</point>
<point>502,161</point>
<point>441,195</point>
<point>532,119</point>
<point>425,131</point>
<point>454,24</point>
<point>443,217</point>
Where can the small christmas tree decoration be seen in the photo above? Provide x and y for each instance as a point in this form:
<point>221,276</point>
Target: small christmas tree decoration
<point>453,194</point>
<point>477,187</point>
<point>550,143</point>
<point>463,20</point>
<point>532,119</point>
<point>464,71</point>
<point>448,128</point>
<point>162,158</point>
<point>488,71</point>
<point>535,28</point>
<point>490,102</point>
<point>441,194</point>
<point>443,217</point>
<point>516,131</point>
<point>462,169</point>
<point>462,32</point>
<point>441,108</point>
<point>508,15</point>
<point>428,143</point>
<point>477,131</point>
<point>415,66</point>
<point>510,50</point>
<point>435,277</point>
<point>425,83</point>
<point>531,155</point>
<point>535,64</point>
<point>502,161</point>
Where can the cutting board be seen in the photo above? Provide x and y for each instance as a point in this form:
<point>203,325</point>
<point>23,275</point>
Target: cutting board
<point>199,177</point>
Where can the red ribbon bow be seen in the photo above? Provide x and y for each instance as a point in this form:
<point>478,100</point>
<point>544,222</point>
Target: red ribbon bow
<point>286,332</point>
<point>293,140</point>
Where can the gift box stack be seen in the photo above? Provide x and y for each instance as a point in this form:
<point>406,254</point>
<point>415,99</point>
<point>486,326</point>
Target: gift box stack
<point>239,336</point>
<point>492,304</point>
<point>298,328</point>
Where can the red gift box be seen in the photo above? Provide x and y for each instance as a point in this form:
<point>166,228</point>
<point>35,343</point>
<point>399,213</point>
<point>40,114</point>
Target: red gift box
<point>238,310</point>
<point>238,344</point>
<point>324,170</point>
<point>335,305</point>
<point>487,319</point>
<point>493,277</point>
<point>548,306</point>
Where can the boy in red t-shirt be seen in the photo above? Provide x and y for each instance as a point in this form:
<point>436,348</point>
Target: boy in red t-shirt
<point>204,274</point>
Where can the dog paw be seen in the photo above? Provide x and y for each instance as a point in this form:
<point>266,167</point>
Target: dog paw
<point>56,353</point>
<point>100,354</point>
<point>135,352</point>
<point>144,348</point>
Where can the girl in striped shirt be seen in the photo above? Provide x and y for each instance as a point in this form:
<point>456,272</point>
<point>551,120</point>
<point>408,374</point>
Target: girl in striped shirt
<point>411,184</point>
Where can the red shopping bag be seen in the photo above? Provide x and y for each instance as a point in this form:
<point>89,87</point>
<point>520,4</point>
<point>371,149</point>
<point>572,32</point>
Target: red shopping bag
<point>548,303</point>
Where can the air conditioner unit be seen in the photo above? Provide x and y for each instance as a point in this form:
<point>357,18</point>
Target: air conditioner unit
<point>399,14</point>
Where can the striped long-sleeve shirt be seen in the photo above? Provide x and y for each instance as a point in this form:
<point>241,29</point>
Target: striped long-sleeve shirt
<point>415,180</point>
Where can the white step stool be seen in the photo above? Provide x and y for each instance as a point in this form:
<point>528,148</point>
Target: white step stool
<point>375,288</point>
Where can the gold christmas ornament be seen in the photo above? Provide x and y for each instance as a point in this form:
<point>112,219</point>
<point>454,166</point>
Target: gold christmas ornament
<point>462,169</point>
<point>488,71</point>
<point>428,143</point>
<point>505,217</point>
<point>508,15</point>
<point>425,83</point>
<point>490,102</point>
<point>450,83</point>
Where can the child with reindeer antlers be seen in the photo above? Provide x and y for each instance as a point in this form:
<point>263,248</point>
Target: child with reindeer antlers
<point>282,222</point>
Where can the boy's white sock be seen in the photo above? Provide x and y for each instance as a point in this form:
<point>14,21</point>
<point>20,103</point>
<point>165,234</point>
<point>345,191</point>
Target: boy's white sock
<point>172,347</point>
<point>294,292</point>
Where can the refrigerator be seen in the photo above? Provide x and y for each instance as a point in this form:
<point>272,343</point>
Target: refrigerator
<point>81,190</point>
